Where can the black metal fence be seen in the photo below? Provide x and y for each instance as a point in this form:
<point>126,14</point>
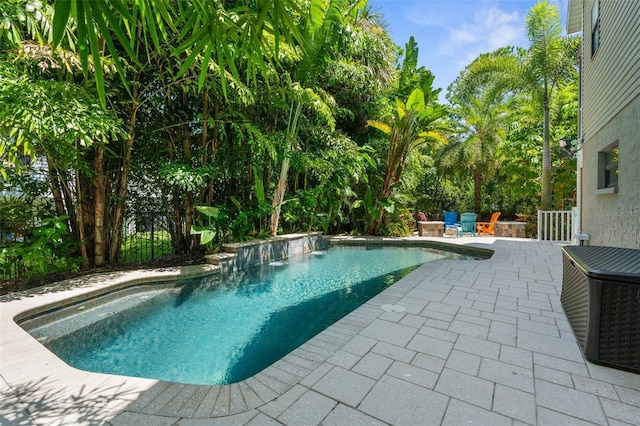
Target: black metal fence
<point>9,268</point>
<point>146,236</point>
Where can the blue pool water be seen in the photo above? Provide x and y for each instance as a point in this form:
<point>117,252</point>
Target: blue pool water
<point>212,331</point>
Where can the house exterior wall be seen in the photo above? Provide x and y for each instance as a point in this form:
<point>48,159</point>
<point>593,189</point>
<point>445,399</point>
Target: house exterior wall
<point>614,219</point>
<point>611,76</point>
<point>610,113</point>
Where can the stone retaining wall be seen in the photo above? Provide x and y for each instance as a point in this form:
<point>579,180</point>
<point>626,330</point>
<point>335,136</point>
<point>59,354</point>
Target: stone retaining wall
<point>434,228</point>
<point>238,256</point>
<point>510,229</point>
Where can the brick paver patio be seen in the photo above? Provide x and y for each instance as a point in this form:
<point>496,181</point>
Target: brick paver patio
<point>458,342</point>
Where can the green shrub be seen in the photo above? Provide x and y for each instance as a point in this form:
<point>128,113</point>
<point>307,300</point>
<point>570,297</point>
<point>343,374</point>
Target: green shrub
<point>145,246</point>
<point>46,251</point>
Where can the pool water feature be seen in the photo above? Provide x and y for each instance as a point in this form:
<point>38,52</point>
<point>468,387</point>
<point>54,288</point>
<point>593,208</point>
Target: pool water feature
<point>218,331</point>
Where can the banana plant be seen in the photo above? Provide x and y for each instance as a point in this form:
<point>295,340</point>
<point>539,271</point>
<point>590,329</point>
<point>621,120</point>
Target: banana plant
<point>415,124</point>
<point>207,232</point>
<point>373,209</point>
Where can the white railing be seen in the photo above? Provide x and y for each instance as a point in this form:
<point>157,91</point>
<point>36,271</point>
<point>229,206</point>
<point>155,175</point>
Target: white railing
<point>556,226</point>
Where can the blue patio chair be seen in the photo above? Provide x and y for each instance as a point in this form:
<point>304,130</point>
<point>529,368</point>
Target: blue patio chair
<point>468,223</point>
<point>451,221</point>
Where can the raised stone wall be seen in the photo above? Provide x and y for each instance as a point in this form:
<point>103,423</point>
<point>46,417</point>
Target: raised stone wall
<point>245,255</point>
<point>510,229</point>
<point>433,228</point>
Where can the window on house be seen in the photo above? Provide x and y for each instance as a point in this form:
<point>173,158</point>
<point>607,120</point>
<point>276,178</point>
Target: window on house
<point>608,169</point>
<point>595,27</point>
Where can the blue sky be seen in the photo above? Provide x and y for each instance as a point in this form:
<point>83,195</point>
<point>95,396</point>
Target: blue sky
<point>452,33</point>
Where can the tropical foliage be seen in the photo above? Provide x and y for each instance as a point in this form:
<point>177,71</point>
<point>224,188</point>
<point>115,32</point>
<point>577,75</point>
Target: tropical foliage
<point>479,127</point>
<point>237,120</point>
<point>539,72</point>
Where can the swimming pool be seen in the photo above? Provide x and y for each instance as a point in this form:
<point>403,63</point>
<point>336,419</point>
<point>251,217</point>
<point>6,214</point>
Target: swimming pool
<point>219,331</point>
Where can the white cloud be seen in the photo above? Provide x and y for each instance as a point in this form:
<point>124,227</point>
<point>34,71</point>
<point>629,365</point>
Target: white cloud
<point>489,29</point>
<point>496,17</point>
<point>463,36</point>
<point>436,14</point>
<point>504,35</point>
<point>452,33</point>
<point>478,31</point>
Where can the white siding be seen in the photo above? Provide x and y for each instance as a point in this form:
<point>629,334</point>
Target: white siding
<point>612,74</point>
<point>574,16</point>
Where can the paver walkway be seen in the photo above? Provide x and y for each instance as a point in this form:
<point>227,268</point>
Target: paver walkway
<point>466,342</point>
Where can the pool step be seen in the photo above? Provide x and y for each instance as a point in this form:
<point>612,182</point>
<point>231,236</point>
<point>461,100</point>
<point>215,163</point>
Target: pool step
<point>218,258</point>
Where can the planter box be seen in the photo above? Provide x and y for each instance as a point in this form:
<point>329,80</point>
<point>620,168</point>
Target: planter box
<point>432,228</point>
<point>510,229</point>
<point>601,297</point>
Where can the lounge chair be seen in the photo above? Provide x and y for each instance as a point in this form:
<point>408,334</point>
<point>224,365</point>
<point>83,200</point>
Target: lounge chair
<point>451,222</point>
<point>468,223</point>
<point>487,228</point>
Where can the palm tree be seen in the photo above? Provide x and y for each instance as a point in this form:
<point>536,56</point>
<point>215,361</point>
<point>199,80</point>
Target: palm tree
<point>539,70</point>
<point>479,127</point>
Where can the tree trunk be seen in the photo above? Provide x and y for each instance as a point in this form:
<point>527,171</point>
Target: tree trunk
<point>99,200</point>
<point>477,190</point>
<point>392,175</point>
<point>545,202</point>
<point>435,193</point>
<point>69,203</point>
<point>119,211</point>
<point>212,150</point>
<point>175,227</point>
<point>186,158</point>
<point>278,196</point>
<point>80,206</point>
<point>178,237</point>
<point>64,206</point>
<point>55,188</point>
<point>188,221</point>
<point>204,143</point>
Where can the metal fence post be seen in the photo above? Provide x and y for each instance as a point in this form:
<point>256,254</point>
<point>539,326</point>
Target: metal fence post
<point>153,219</point>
